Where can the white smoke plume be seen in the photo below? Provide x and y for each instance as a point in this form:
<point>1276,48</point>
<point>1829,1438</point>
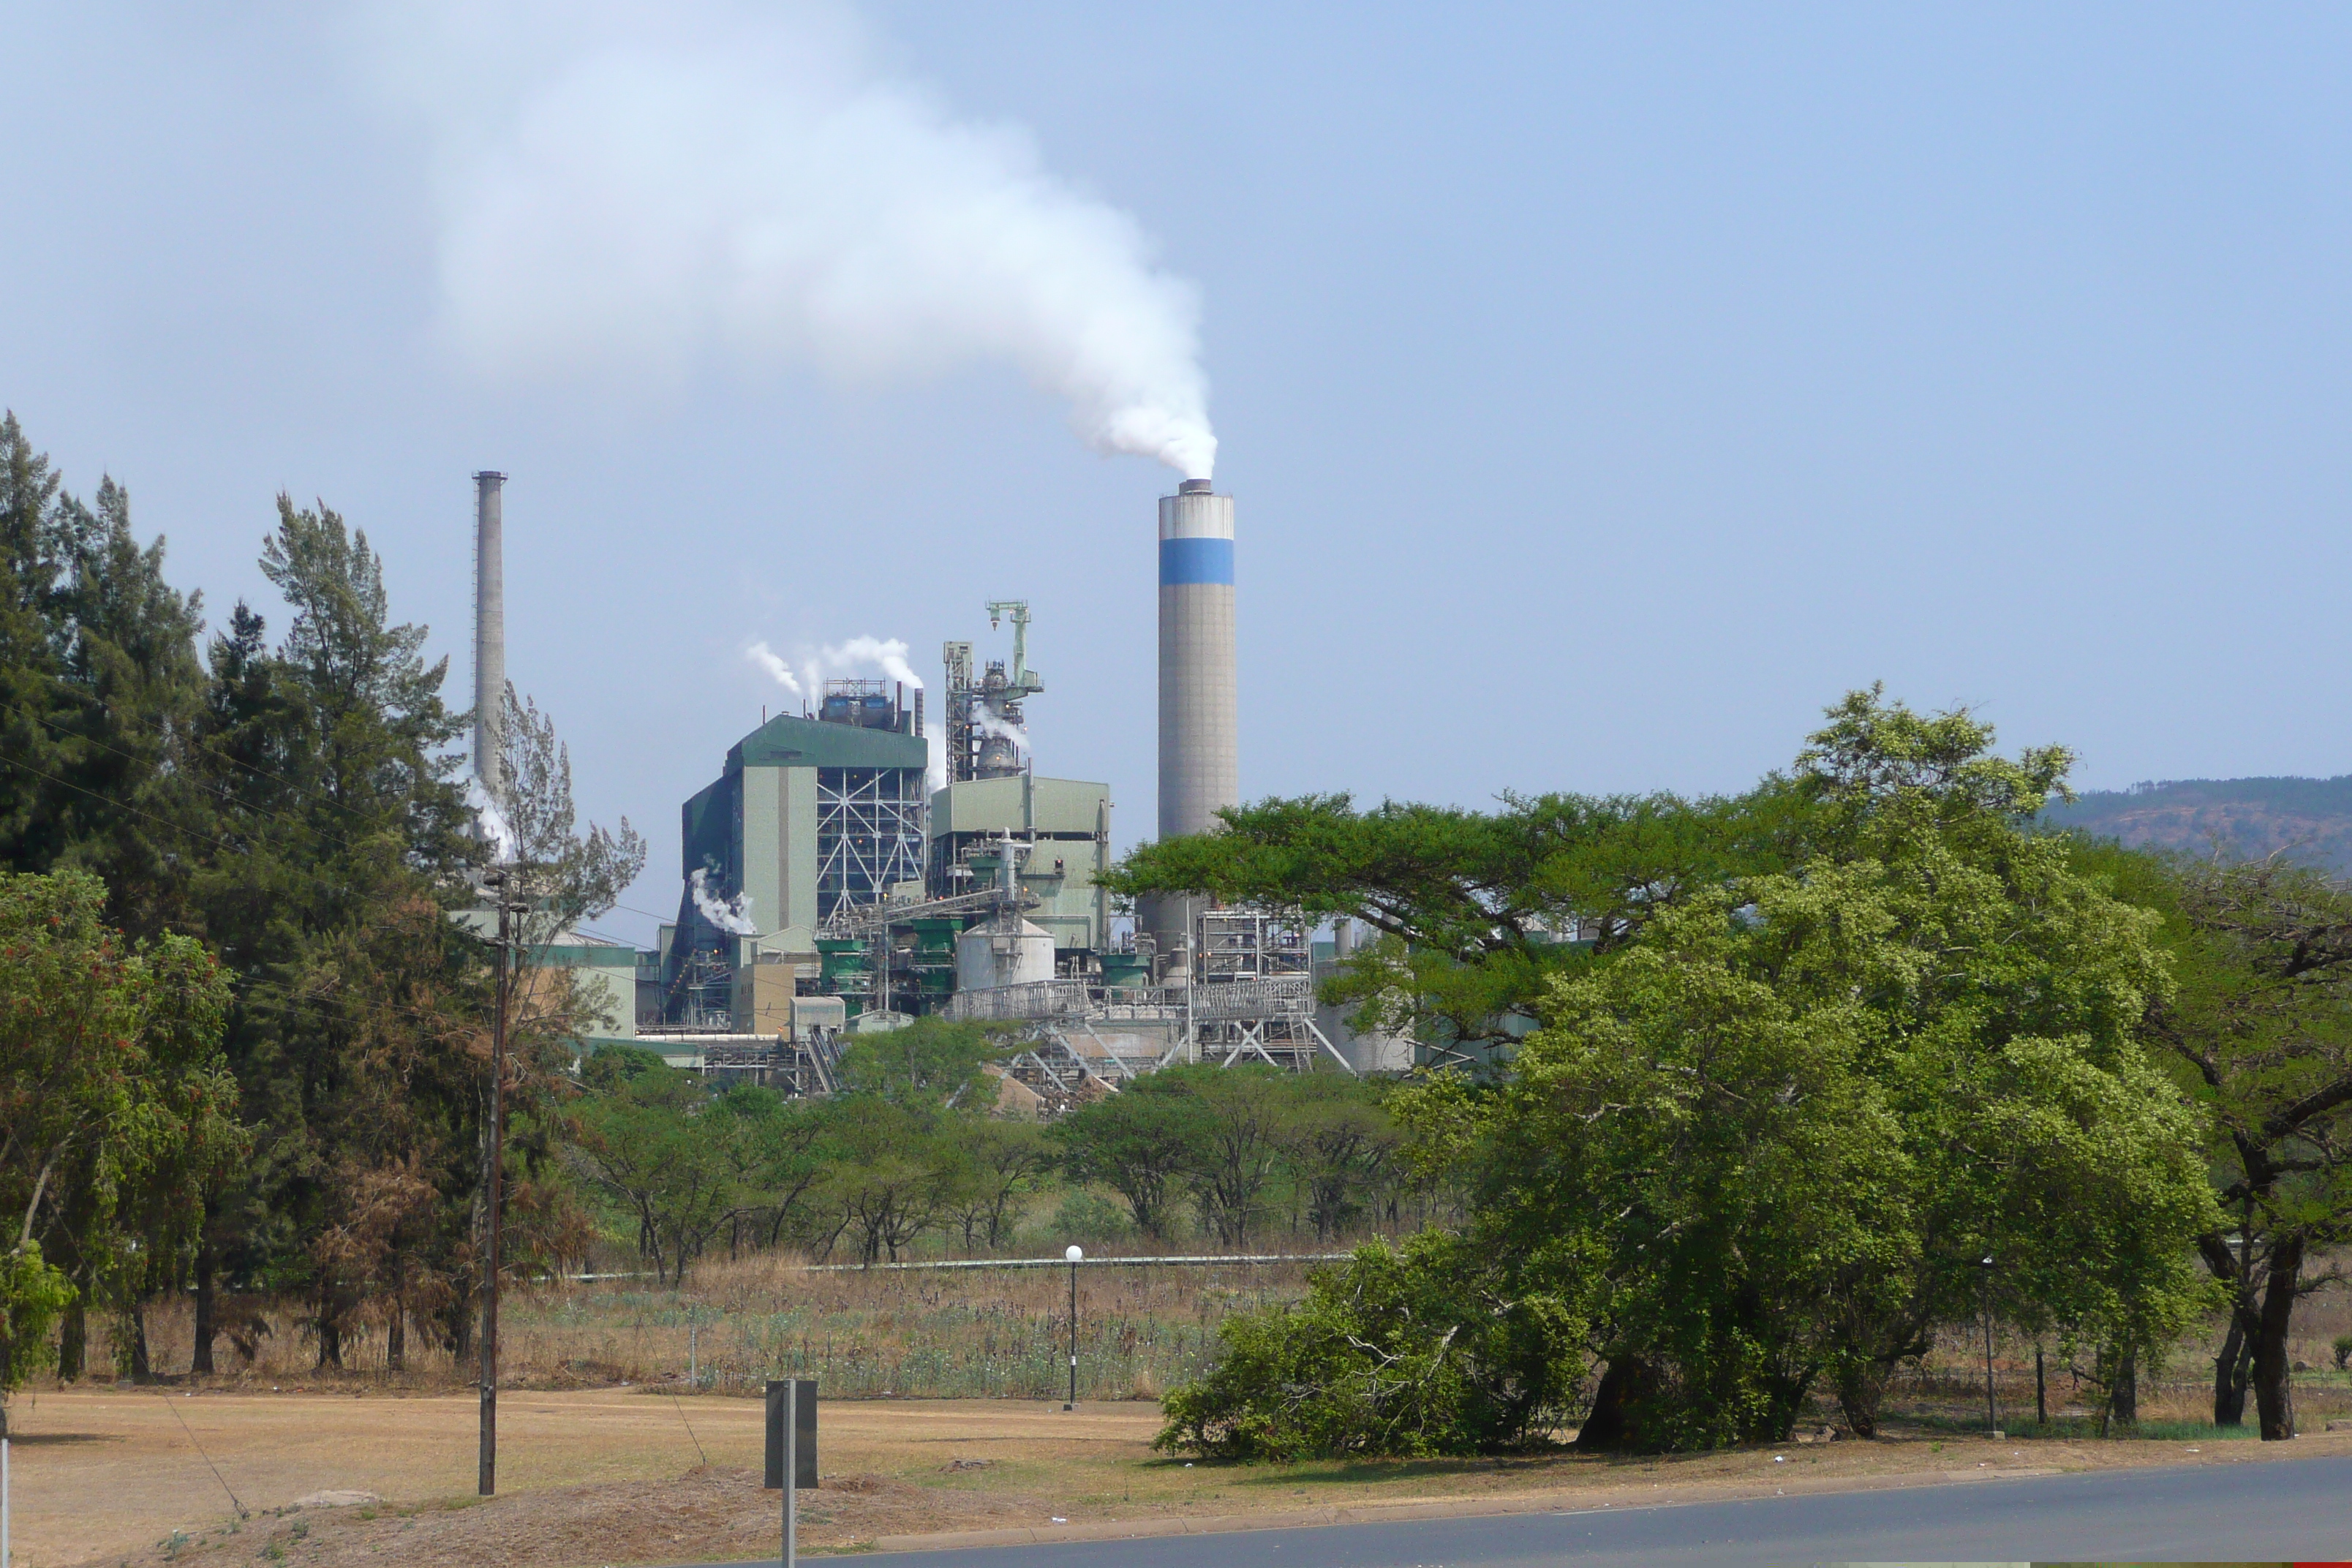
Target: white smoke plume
<point>490,825</point>
<point>988,724</point>
<point>888,653</point>
<point>732,915</point>
<point>759,653</point>
<point>634,188</point>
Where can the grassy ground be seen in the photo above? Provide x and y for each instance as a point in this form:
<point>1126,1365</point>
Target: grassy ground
<point>965,1334</point>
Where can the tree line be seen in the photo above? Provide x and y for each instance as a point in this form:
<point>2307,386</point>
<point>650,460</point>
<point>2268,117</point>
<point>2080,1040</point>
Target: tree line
<point>244,1047</point>
<point>914,1152</point>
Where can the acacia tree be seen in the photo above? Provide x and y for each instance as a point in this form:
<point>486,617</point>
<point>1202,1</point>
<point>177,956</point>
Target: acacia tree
<point>1772,1124</point>
<point>2259,1023</point>
<point>1477,911</point>
<point>1139,1143</point>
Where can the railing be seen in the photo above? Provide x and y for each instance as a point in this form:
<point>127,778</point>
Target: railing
<point>1277,996</point>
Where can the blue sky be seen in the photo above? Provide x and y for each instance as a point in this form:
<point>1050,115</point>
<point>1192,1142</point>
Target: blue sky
<point>1604,390</point>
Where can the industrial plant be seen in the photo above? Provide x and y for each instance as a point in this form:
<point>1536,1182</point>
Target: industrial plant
<point>833,883</point>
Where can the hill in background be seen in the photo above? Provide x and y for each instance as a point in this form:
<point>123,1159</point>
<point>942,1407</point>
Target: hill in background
<point>2311,820</point>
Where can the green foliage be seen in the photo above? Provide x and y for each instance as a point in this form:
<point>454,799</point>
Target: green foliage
<point>32,1295</point>
<point>1232,1138</point>
<point>675,1160</point>
<point>1834,1043</point>
<point>1424,1351</point>
<point>1139,1142</point>
<point>2257,1030</point>
<point>116,1109</point>
<point>1086,1216</point>
<point>612,1065</point>
<point>1478,911</point>
<point>927,1065</point>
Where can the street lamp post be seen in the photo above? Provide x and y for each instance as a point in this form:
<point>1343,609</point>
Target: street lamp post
<point>1074,1254</point>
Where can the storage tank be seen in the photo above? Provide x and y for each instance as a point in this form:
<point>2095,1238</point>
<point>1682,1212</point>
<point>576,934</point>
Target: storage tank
<point>1007,951</point>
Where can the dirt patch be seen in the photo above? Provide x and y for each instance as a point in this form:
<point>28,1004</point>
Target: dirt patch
<point>709,1512</point>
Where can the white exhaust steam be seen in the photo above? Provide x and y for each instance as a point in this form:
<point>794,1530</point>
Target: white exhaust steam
<point>490,825</point>
<point>759,653</point>
<point>730,915</point>
<point>887,655</point>
<point>638,187</point>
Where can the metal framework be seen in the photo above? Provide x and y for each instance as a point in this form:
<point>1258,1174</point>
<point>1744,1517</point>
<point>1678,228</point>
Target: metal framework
<point>870,833</point>
<point>1252,999</point>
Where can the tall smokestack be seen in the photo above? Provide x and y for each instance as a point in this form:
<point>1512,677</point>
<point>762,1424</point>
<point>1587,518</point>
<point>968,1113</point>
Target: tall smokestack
<point>1199,763</point>
<point>490,625</point>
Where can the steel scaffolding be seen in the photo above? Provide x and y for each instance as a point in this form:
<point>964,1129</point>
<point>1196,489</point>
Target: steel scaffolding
<point>870,833</point>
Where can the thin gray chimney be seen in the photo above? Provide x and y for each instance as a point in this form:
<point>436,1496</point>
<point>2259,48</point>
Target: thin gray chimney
<point>489,626</point>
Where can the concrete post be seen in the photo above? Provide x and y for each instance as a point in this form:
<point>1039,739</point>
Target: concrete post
<point>489,624</point>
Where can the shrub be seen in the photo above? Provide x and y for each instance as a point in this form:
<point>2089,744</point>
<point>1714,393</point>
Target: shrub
<point>1410,1352</point>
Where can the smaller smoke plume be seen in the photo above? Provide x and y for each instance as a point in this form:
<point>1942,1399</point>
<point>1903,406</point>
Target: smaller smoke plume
<point>490,825</point>
<point>732,915</point>
<point>759,653</point>
<point>988,724</point>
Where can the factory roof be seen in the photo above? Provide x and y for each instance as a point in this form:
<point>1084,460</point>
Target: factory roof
<point>795,743</point>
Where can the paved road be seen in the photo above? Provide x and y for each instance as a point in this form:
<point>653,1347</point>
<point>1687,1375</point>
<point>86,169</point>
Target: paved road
<point>2277,1509</point>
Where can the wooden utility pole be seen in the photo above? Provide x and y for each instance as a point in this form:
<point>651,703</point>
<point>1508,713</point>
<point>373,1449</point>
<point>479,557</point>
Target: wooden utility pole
<point>487,1484</point>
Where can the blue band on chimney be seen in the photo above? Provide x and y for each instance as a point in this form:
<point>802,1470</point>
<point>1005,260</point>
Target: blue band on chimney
<point>1183,560</point>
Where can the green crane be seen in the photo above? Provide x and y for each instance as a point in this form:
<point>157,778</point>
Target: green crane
<point>1020,680</point>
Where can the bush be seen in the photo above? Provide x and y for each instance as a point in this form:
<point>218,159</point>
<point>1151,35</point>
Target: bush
<point>2343,1349</point>
<point>1088,1217</point>
<point>1406,1352</point>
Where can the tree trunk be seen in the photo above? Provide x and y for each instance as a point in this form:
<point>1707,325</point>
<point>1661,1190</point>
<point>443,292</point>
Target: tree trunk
<point>143,1368</point>
<point>1614,1420</point>
<point>2041,1391</point>
<point>2123,1390</point>
<point>2273,1374</point>
<point>395,1333</point>
<point>2230,1370</point>
<point>1859,1389</point>
<point>73,1342</point>
<point>201,1361</point>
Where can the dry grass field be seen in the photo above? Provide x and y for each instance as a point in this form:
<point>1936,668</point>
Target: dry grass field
<point>611,1455</point>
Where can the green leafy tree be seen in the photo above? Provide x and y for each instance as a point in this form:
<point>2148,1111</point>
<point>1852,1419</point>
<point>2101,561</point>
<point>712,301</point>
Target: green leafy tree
<point>1339,1143</point>
<point>1801,1085</point>
<point>115,1105</point>
<point>892,1176</point>
<point>1477,911</point>
<point>927,1065</point>
<point>2259,1028</point>
<point>1139,1144</point>
<point>1001,1161</point>
<point>1239,1126</point>
<point>657,1146</point>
